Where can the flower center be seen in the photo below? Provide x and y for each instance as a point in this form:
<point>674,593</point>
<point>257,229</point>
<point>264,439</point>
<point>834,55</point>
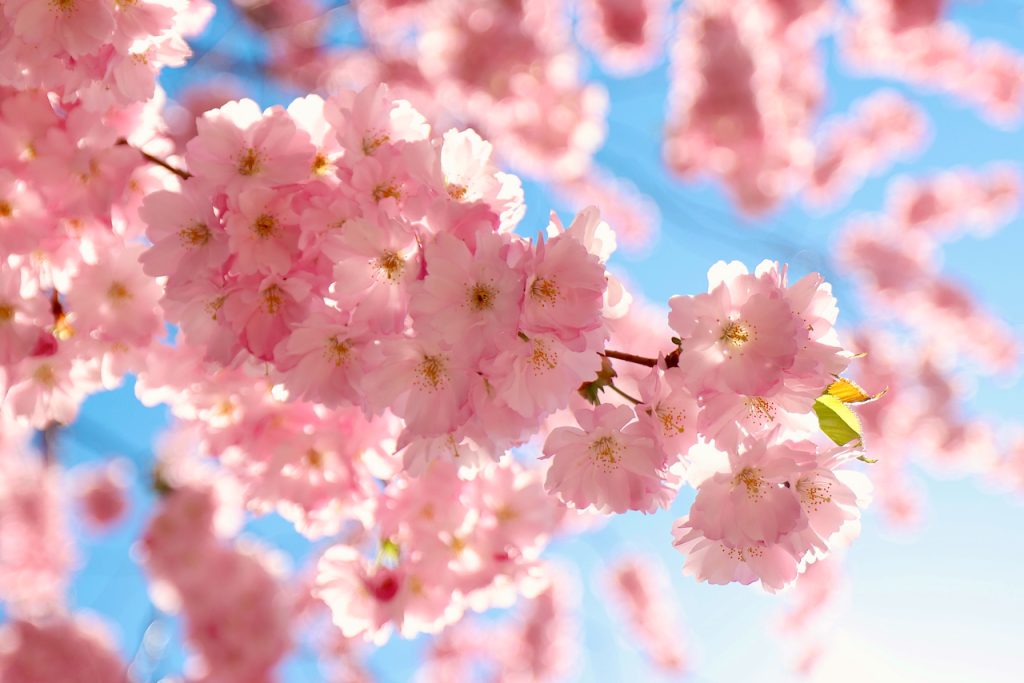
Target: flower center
<point>432,372</point>
<point>195,235</point>
<point>5,209</point>
<point>456,192</point>
<point>6,312</point>
<point>315,458</point>
<point>386,190</point>
<point>481,296</point>
<point>273,299</point>
<point>214,305</point>
<point>751,479</point>
<point>63,6</point>
<point>45,375</point>
<point>264,226</point>
<point>321,164</point>
<point>605,452</point>
<point>337,351</point>
<point>741,554</point>
<point>372,142</point>
<point>735,333</point>
<point>543,358</point>
<point>545,291</point>
<point>118,293</point>
<point>250,162</point>
<point>760,410</point>
<point>813,493</point>
<point>671,419</point>
<point>390,264</point>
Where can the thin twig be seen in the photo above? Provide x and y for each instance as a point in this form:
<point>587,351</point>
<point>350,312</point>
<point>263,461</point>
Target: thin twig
<point>630,358</point>
<point>624,395</point>
<point>184,175</point>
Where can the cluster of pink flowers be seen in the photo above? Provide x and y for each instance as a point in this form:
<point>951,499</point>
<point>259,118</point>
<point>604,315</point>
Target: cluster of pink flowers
<point>746,85</point>
<point>813,602</point>
<point>102,494</point>
<point>95,53</point>
<point>239,627</point>
<point>909,40</point>
<point>626,35</point>
<point>446,544</point>
<point>535,646</point>
<point>769,510</point>
<point>77,93</point>
<point>36,553</point>
<point>644,596</point>
<point>895,257</point>
<point>941,205</point>
<point>880,129</point>
<point>75,650</point>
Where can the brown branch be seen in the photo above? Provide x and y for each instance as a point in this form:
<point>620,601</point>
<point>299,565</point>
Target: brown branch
<point>630,358</point>
<point>184,175</point>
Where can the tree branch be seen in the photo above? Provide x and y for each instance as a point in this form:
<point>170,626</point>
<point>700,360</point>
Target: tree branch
<point>184,175</point>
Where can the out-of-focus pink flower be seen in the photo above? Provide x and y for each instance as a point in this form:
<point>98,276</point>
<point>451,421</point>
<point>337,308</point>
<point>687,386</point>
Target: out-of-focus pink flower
<point>102,494</point>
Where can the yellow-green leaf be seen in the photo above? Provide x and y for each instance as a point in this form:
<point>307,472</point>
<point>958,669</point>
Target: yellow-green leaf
<point>837,420</point>
<point>849,391</point>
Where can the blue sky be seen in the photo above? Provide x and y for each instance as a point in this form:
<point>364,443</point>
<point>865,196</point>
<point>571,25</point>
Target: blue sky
<point>943,605</point>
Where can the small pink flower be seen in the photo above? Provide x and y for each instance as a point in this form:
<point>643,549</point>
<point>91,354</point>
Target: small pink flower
<point>375,265</point>
<point>754,501</point>
<point>427,384</point>
<point>605,463</point>
<point>323,359</point>
<point>468,299</point>
<point>238,147</point>
<point>262,232</point>
<point>102,495</point>
<point>565,289</point>
<point>717,563</point>
<point>740,337</point>
<point>186,234</point>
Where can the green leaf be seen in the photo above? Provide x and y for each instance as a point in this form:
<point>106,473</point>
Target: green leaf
<point>388,553</point>
<point>590,391</point>
<point>848,391</point>
<point>837,420</point>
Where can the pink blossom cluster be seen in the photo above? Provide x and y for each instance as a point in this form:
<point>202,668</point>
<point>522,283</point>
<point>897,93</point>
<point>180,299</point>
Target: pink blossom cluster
<point>634,215</point>
<point>36,555</point>
<point>102,494</point>
<point>77,92</point>
<point>95,53</point>
<point>813,603</point>
<point>36,551</point>
<point>443,545</point>
<point>626,35</point>
<point>880,129</point>
<point>75,650</point>
<point>922,417</point>
<point>641,589</point>
<point>746,85</point>
<point>898,273</point>
<point>535,646</point>
<point>371,264</point>
<point>768,511</point>
<point>909,40</point>
<point>239,627</point>
<point>318,468</point>
<point>941,205</point>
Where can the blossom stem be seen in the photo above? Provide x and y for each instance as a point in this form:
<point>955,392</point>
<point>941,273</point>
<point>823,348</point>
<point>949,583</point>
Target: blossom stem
<point>630,358</point>
<point>624,395</point>
<point>184,175</point>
